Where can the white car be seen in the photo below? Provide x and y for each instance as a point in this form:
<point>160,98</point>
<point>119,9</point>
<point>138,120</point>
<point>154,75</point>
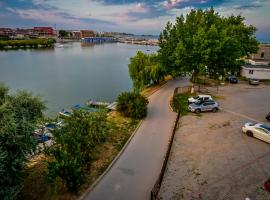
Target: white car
<point>260,131</point>
<point>199,98</point>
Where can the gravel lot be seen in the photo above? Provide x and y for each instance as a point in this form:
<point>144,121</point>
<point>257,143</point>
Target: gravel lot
<point>212,159</point>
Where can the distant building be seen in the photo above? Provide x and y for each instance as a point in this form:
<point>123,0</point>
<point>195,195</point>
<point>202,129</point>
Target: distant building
<point>76,35</point>
<point>257,66</point>
<point>6,32</point>
<point>24,33</point>
<point>87,33</point>
<point>44,31</point>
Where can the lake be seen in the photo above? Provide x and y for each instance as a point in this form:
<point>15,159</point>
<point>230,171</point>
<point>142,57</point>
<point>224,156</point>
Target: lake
<point>70,75</point>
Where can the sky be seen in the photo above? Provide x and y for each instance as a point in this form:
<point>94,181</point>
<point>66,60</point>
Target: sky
<point>132,16</point>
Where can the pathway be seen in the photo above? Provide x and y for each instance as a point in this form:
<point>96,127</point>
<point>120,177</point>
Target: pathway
<point>135,172</point>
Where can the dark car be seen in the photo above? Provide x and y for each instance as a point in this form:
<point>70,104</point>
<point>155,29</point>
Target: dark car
<point>232,79</point>
<point>268,116</point>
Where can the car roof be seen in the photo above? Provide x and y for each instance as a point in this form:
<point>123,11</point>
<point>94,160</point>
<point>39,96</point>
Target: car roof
<point>204,95</point>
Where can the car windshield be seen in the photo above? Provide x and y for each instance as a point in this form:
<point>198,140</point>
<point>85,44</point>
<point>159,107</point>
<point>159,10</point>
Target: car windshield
<point>199,103</point>
<point>267,127</point>
<point>197,97</point>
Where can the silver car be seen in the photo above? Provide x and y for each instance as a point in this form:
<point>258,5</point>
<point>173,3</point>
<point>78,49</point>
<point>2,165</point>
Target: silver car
<point>204,106</point>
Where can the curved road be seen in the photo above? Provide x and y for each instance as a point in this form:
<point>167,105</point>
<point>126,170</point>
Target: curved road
<point>135,172</point>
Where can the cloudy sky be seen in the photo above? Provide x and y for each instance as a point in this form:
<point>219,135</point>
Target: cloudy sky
<point>136,16</point>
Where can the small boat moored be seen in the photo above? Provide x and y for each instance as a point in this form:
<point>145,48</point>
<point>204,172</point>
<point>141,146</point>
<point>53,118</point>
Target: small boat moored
<point>65,113</point>
<point>83,108</point>
<point>93,103</point>
<point>112,106</point>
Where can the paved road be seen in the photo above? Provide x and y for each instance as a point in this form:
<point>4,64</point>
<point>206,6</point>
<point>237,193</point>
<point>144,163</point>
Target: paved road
<point>135,172</point>
<point>250,102</point>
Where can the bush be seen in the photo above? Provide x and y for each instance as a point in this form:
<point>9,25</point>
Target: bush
<point>132,104</point>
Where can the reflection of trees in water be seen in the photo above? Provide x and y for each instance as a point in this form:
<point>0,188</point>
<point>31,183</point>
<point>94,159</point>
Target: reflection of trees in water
<point>87,44</point>
<point>44,49</point>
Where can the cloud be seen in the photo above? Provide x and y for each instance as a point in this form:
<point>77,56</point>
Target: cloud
<point>247,6</point>
<point>139,16</point>
<point>53,16</point>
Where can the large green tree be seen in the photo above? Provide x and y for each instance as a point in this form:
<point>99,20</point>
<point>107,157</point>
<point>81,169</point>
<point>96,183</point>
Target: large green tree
<point>18,116</point>
<point>204,41</point>
<point>74,146</point>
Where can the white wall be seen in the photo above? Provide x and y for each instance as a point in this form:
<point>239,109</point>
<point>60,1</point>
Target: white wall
<point>259,73</point>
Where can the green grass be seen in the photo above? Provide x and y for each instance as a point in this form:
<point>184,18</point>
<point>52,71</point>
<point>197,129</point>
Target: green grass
<point>180,103</point>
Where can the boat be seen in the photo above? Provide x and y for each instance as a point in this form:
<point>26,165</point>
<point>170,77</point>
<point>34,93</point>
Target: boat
<point>66,113</point>
<point>59,46</point>
<point>50,126</point>
<point>83,108</point>
<point>112,106</point>
<point>42,135</point>
<point>93,103</point>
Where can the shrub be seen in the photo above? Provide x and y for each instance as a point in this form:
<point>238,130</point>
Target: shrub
<point>132,104</point>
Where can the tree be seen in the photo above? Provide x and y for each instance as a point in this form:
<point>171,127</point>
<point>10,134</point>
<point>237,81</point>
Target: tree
<point>132,104</point>
<point>204,41</point>
<point>19,114</point>
<point>63,34</point>
<point>145,70</point>
<point>74,146</point>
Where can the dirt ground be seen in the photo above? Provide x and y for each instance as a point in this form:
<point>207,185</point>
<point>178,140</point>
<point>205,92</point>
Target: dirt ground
<point>212,159</point>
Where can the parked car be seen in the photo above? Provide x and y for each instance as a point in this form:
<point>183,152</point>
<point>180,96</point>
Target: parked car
<point>260,131</point>
<point>199,98</point>
<point>268,116</point>
<point>232,79</point>
<point>254,81</point>
<point>204,106</point>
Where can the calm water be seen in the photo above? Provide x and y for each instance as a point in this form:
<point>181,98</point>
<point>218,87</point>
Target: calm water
<point>70,75</point>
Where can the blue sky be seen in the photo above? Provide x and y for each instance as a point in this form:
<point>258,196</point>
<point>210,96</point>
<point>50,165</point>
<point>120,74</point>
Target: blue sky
<point>136,16</point>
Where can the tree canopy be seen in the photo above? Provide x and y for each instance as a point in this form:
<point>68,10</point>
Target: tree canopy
<point>132,104</point>
<point>18,117</point>
<point>204,41</point>
<point>74,146</point>
<point>145,70</point>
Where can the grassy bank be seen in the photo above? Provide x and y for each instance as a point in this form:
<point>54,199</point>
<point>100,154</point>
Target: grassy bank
<point>180,103</point>
<point>35,186</point>
<point>151,89</point>
<point>27,43</point>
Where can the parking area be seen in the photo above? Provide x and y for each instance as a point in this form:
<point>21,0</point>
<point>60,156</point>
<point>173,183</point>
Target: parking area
<point>212,159</point>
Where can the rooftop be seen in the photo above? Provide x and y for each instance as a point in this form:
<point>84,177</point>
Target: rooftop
<point>248,65</point>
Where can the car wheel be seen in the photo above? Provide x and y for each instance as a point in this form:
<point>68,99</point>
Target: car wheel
<point>214,110</point>
<point>249,133</point>
<point>197,111</point>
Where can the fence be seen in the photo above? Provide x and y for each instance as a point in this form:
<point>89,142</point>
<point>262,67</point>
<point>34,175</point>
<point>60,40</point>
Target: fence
<point>197,88</point>
<point>156,188</point>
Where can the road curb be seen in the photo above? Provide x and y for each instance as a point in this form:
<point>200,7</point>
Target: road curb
<point>93,185</point>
